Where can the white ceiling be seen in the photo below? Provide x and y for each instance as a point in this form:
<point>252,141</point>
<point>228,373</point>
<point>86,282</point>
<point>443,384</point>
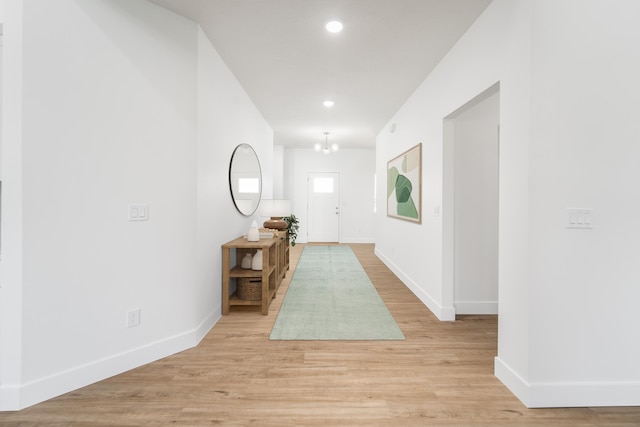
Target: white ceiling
<point>289,64</point>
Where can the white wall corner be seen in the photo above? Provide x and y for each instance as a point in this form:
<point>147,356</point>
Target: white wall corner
<point>510,378</point>
<point>476,307</point>
<point>9,398</point>
<point>442,313</point>
<point>205,326</point>
<point>14,398</point>
<point>567,394</point>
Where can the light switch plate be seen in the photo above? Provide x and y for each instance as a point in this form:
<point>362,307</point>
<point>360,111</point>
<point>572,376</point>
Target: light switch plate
<point>138,212</point>
<point>579,218</point>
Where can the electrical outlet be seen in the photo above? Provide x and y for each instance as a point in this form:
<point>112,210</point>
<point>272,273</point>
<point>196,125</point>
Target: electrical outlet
<point>133,318</point>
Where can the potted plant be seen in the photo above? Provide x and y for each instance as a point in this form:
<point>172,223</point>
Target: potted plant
<point>292,227</point>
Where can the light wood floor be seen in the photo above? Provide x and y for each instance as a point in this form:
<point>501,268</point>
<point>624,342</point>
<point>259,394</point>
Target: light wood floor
<point>442,375</point>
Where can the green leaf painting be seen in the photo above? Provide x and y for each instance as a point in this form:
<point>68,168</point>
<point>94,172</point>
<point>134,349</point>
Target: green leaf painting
<point>392,177</point>
<point>404,175</point>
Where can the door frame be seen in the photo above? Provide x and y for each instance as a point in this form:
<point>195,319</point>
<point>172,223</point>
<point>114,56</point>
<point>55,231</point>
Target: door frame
<point>339,190</point>
<point>448,202</point>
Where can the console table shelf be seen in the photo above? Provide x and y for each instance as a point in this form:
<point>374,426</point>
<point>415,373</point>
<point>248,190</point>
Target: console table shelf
<point>275,263</point>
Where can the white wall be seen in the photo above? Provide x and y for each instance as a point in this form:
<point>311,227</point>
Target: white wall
<point>569,138</point>
<point>11,279</point>
<point>356,168</point>
<point>415,252</point>
<point>130,104</point>
<point>584,153</point>
<point>1,55</point>
<point>226,118</point>
<point>278,172</point>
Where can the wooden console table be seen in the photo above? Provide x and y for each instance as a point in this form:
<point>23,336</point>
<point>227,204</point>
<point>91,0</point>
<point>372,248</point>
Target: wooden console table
<point>275,263</point>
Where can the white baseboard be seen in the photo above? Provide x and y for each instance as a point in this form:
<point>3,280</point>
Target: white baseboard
<point>9,398</point>
<point>567,394</point>
<point>476,307</point>
<point>17,397</point>
<point>442,313</point>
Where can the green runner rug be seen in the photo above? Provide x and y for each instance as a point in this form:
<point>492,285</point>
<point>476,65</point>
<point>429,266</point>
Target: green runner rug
<point>330,297</point>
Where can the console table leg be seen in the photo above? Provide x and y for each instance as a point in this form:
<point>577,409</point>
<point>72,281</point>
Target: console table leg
<point>265,280</point>
<point>225,280</point>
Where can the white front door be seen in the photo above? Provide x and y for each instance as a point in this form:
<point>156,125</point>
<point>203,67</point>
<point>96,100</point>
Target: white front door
<point>323,195</point>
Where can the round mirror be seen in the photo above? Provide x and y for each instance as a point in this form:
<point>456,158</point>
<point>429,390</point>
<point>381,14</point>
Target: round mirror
<point>245,179</point>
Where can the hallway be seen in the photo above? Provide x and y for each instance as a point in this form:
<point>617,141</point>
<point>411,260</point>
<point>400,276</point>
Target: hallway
<point>442,374</point>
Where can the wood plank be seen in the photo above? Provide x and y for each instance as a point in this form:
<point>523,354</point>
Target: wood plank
<point>441,375</point>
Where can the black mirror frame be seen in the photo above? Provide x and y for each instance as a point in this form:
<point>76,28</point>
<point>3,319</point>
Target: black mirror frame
<point>233,196</point>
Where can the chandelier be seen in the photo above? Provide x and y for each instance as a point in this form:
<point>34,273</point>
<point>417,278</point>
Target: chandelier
<point>326,149</point>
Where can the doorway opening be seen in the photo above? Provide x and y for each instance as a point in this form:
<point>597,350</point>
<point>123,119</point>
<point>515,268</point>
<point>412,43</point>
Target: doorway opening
<point>470,205</point>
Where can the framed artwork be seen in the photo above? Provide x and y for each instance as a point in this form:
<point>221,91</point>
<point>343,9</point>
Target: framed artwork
<point>404,180</point>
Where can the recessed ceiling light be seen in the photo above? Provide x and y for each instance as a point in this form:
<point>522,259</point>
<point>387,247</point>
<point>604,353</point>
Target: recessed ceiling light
<point>334,26</point>
<point>328,103</point>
